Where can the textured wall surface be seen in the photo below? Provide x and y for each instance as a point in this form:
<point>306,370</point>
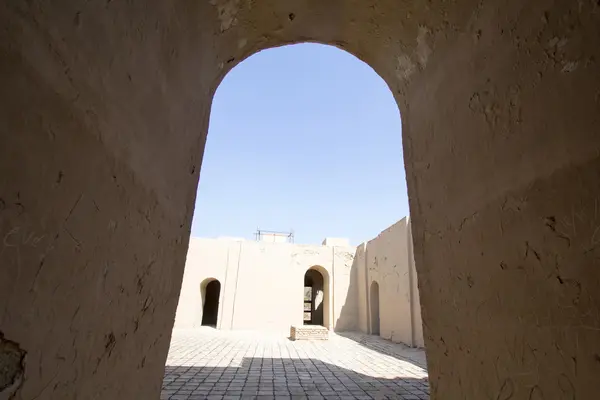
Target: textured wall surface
<point>387,264</point>
<point>416,321</point>
<point>99,158</point>
<point>503,168</point>
<point>103,117</point>
<point>359,266</point>
<point>388,261</point>
<point>262,283</point>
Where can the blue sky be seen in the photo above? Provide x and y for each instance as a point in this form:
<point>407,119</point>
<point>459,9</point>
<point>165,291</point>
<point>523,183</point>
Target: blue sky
<point>304,137</point>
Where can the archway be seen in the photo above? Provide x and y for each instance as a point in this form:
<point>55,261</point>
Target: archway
<point>374,300</point>
<point>502,167</point>
<point>316,297</point>
<point>324,87</point>
<point>210,301</point>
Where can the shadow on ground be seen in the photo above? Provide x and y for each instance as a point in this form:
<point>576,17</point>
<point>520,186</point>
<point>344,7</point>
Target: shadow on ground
<point>384,346</point>
<point>283,378</point>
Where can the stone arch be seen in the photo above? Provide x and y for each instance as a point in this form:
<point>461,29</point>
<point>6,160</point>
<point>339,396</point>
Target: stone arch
<point>360,55</point>
<point>210,292</point>
<point>375,326</point>
<point>317,278</point>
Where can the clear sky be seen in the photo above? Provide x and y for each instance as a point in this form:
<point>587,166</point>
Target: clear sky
<point>304,137</point>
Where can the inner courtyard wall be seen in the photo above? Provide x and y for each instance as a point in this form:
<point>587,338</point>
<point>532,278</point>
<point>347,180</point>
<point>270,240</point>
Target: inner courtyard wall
<point>362,322</point>
<point>388,261</point>
<point>262,283</point>
<point>104,116</point>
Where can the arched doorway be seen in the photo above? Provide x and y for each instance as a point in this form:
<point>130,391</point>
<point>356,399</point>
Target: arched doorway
<point>375,322</point>
<point>210,308</point>
<point>316,298</point>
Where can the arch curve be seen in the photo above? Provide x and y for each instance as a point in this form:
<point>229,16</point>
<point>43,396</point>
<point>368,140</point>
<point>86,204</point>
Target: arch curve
<point>322,270</point>
<point>250,50</point>
<point>205,282</point>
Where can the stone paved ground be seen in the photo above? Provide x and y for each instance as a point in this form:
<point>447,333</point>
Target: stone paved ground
<point>211,364</point>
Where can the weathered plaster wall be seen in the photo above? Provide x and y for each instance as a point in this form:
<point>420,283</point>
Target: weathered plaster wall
<point>99,159</point>
<point>345,296</point>
<point>360,266</point>
<point>388,262</point>
<point>215,257</point>
<point>103,117</point>
<point>262,283</point>
<point>416,322</point>
<point>503,168</point>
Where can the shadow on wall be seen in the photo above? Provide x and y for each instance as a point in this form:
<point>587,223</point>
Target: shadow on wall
<point>348,319</point>
<point>383,297</point>
<point>286,377</point>
<point>374,308</point>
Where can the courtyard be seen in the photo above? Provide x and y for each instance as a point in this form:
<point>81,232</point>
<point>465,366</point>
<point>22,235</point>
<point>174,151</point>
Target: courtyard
<point>211,364</point>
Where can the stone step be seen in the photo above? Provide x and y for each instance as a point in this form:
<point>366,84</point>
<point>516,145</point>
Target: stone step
<point>309,332</point>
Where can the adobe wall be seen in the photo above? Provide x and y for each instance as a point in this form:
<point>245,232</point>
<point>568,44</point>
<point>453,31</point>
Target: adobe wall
<point>360,263</point>
<point>103,120</point>
<point>262,283</point>
<point>388,261</point>
<point>416,322</point>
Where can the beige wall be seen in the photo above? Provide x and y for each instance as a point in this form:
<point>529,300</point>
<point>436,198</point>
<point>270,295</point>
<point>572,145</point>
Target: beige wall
<point>387,260</point>
<point>104,116</point>
<point>415,304</point>
<point>360,263</point>
<point>262,283</point>
<point>346,297</point>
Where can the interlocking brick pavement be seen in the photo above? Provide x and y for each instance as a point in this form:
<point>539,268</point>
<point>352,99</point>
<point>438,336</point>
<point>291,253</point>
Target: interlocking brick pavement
<point>212,364</point>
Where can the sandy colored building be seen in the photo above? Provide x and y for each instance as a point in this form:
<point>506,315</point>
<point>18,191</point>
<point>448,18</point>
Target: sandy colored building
<point>271,284</point>
<point>104,118</point>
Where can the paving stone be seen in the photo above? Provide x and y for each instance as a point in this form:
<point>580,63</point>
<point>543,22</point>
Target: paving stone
<point>211,364</point>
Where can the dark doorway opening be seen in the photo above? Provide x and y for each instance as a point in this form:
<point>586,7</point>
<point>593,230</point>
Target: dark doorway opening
<point>375,329</point>
<point>210,310</point>
<point>314,297</point>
